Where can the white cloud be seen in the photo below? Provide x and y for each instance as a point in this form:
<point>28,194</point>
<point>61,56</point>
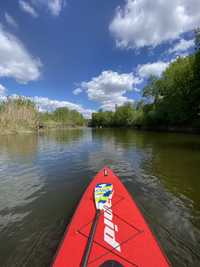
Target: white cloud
<point>55,6</point>
<point>149,69</point>
<point>15,60</point>
<point>118,100</point>
<point>2,90</point>
<point>110,87</point>
<point>182,46</point>
<point>77,91</point>
<point>150,22</point>
<point>28,8</point>
<point>46,104</point>
<point>10,20</point>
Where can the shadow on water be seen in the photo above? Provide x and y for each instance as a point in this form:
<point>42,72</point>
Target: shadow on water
<point>42,178</point>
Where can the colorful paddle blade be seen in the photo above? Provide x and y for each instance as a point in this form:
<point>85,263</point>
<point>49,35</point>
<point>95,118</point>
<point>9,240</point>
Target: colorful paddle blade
<point>102,193</point>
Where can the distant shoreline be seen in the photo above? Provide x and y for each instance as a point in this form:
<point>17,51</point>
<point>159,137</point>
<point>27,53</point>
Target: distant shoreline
<point>186,130</point>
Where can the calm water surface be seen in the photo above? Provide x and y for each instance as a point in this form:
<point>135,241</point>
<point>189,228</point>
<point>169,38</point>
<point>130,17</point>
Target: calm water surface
<point>42,178</point>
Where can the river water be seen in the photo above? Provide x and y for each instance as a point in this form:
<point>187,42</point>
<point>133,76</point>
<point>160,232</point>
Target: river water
<point>42,178</point>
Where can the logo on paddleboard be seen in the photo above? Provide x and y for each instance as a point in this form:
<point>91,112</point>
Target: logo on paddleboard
<point>110,228</point>
<point>102,193</point>
<point>103,200</point>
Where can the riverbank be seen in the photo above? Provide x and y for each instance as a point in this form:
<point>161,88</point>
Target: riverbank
<point>186,130</point>
<point>38,130</point>
<point>15,131</point>
<point>60,127</point>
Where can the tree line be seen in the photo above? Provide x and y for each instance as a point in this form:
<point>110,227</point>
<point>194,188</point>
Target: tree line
<point>170,100</point>
<point>62,116</point>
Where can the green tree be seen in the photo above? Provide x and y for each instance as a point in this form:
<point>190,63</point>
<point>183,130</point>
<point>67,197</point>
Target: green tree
<point>170,100</point>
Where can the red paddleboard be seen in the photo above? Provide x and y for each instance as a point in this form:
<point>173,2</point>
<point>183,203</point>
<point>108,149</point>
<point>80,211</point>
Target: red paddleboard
<point>122,237</point>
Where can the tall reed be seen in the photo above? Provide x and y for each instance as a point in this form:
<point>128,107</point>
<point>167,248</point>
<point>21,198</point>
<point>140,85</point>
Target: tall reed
<point>18,114</point>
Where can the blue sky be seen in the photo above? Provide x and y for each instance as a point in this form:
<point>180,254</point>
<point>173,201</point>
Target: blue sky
<point>90,54</point>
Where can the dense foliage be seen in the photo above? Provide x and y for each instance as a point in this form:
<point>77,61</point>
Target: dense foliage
<point>124,116</point>
<point>171,100</point>
<point>63,117</point>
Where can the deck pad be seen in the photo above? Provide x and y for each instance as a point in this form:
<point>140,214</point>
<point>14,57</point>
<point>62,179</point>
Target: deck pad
<point>112,224</point>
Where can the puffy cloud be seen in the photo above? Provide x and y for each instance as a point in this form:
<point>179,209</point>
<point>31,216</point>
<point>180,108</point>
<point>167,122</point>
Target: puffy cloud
<point>151,22</point>
<point>118,100</point>
<point>28,8</point>
<point>10,20</point>
<point>149,69</point>
<point>109,88</point>
<point>46,104</point>
<point>2,90</point>
<point>182,46</point>
<point>15,60</point>
<point>77,91</point>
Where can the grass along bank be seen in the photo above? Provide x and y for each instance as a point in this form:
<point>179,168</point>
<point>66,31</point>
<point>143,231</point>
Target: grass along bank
<point>21,115</point>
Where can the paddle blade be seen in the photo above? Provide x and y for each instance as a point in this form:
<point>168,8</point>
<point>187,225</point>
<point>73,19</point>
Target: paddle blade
<point>102,193</point>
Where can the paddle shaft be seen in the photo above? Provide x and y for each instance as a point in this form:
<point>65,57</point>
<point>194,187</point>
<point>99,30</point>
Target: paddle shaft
<point>90,240</point>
